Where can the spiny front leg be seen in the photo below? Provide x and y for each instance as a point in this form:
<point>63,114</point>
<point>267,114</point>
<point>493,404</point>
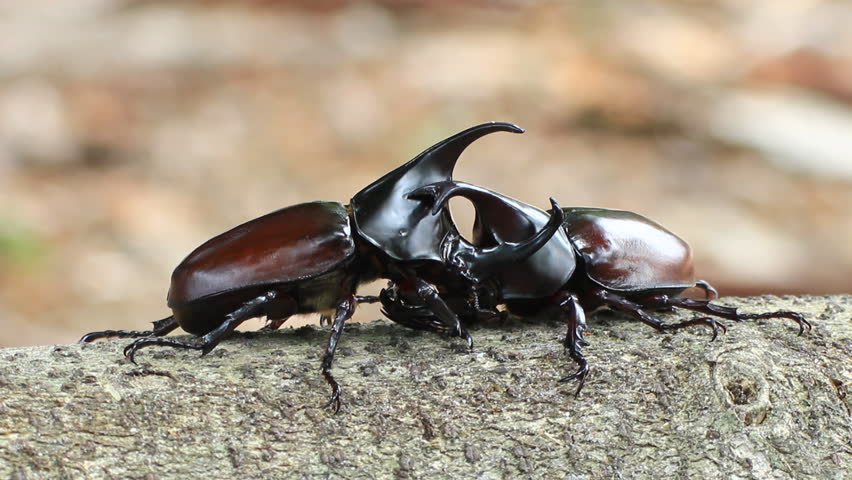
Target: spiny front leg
<point>429,295</point>
<point>415,317</point>
<point>344,312</point>
<point>161,328</point>
<point>411,286</point>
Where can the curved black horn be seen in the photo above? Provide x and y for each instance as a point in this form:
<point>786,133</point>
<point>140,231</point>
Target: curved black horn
<point>490,260</point>
<point>434,164</point>
<point>442,156</point>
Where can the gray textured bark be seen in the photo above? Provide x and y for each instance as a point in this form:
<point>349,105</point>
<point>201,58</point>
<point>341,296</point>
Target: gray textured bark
<point>759,402</point>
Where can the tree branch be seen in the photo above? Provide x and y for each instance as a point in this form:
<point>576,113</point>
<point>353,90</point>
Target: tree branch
<point>759,402</point>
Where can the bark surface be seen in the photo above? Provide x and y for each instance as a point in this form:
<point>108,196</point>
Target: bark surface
<point>759,402</point>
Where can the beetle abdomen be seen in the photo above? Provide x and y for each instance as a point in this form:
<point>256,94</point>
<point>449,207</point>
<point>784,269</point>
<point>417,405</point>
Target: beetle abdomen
<point>625,251</point>
<point>294,243</point>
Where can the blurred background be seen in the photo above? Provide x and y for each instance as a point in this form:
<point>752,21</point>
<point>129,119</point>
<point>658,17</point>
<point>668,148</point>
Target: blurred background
<point>133,130</point>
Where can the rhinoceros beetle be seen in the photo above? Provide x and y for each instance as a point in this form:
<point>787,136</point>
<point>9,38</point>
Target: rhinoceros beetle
<point>612,258</point>
<point>312,257</point>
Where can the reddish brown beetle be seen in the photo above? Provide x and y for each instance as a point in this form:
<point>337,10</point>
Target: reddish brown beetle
<point>615,259</point>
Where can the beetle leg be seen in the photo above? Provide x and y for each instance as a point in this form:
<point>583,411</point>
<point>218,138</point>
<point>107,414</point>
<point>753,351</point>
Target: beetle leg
<point>731,313</point>
<point>130,350</point>
<point>248,310</point>
<point>710,293</point>
<point>366,298</point>
<point>429,295</point>
<point>416,317</point>
<point>425,317</point>
<point>273,324</point>
<point>427,323</point>
<point>483,312</point>
<point>161,328</point>
<point>635,310</point>
<point>414,286</point>
<point>208,342</point>
<point>344,311</point>
<point>326,320</point>
<point>574,341</point>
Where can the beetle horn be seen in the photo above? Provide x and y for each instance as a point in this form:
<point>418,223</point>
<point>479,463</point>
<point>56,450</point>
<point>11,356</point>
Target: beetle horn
<point>443,155</point>
<point>490,260</point>
<point>381,210</point>
<point>437,162</point>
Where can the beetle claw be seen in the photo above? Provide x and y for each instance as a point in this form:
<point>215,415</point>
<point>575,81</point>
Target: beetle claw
<point>579,375</point>
<point>716,326</point>
<point>334,400</point>
<point>803,324</point>
<point>466,336</point>
<point>92,336</point>
<point>709,321</point>
<point>130,353</point>
<point>130,356</point>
